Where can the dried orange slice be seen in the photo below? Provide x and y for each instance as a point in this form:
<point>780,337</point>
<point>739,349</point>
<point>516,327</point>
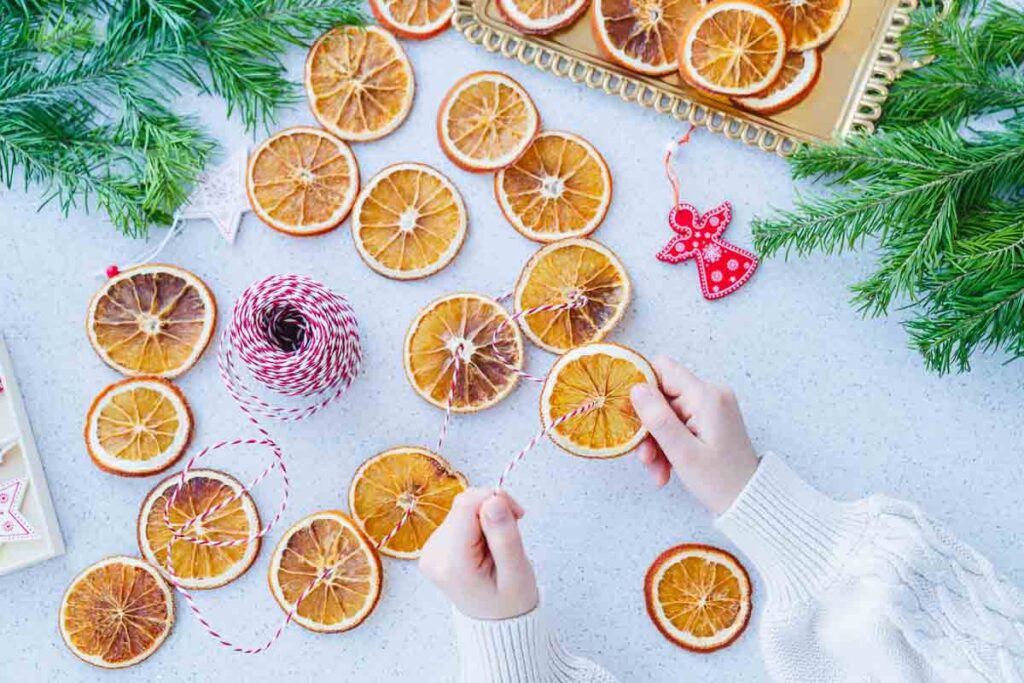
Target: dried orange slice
<point>732,47</point>
<point>341,601</point>
<point>152,320</point>
<point>302,181</point>
<point>359,82</point>
<point>406,478</point>
<point>138,426</point>
<point>195,565</point>
<point>560,187</point>
<point>599,375</point>
<point>698,596</point>
<point>486,121</point>
<point>641,35</point>
<point>413,19</point>
<point>540,16</point>
<point>463,326</point>
<point>578,271</point>
<point>800,71</point>
<point>116,613</point>
<point>809,23</point>
<point>409,221</point>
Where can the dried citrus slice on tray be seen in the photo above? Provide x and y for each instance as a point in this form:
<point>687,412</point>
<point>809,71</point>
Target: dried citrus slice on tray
<point>809,23</point>
<point>116,613</point>
<point>199,566</point>
<point>153,319</point>
<point>641,35</point>
<point>573,271</point>
<point>302,181</point>
<point>409,221</point>
<point>698,596</point>
<point>486,120</point>
<point>138,426</point>
<point>540,16</point>
<point>359,82</point>
<point>732,47</point>
<point>800,72</point>
<point>599,375</point>
<point>406,478</point>
<point>560,187</point>
<point>326,540</point>
<point>463,327</point>
<point>414,19</point>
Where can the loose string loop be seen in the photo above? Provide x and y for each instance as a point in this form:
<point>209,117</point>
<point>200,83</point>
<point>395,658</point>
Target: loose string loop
<point>670,172</point>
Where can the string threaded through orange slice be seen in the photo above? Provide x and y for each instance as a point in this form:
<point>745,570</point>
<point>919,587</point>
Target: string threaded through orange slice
<point>540,16</point>
<point>641,35</point>
<point>560,187</point>
<point>153,319</point>
<point>800,72</point>
<point>414,19</point>
<point>574,271</point>
<point>809,23</point>
<point>359,82</point>
<point>390,484</point>
<point>116,613</point>
<point>698,596</point>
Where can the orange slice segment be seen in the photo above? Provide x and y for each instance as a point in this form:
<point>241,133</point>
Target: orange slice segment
<point>577,271</point>
<point>800,72</point>
<point>641,35</point>
<point>116,613</point>
<point>599,375</point>
<point>698,596</point>
<point>463,326</point>
<point>486,121</point>
<point>732,47</point>
<point>152,320</point>
<point>359,82</point>
<point>560,187</point>
<point>409,221</point>
<point>413,19</point>
<point>321,541</point>
<point>407,478</point>
<point>138,426</point>
<point>302,181</point>
<point>198,566</point>
<point>809,23</point>
<point>540,16</point>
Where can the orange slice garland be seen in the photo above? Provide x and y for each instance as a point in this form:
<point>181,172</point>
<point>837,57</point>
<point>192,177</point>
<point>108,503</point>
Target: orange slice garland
<point>540,16</point>
<point>641,35</point>
<point>800,72</point>
<point>413,19</point>
<point>809,23</point>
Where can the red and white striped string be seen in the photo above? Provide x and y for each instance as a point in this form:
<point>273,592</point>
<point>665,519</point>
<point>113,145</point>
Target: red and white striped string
<point>670,171</point>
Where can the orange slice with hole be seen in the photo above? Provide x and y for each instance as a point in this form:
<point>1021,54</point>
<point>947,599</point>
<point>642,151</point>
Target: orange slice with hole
<point>809,23</point>
<point>116,613</point>
<point>359,82</point>
<point>560,187</point>
<point>800,72</point>
<point>540,16</point>
<point>138,426</point>
<point>195,565</point>
<point>732,47</point>
<point>409,221</point>
<point>698,596</point>
<point>600,376</point>
<point>413,19</point>
<point>327,540</point>
<point>302,181</point>
<point>390,484</point>
<point>573,271</point>
<point>478,332</point>
<point>153,319</point>
<point>486,121</point>
<point>641,35</point>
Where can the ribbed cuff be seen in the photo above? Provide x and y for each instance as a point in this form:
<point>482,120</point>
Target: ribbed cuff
<point>796,536</point>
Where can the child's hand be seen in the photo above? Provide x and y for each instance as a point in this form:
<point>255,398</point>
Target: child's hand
<point>697,430</point>
<point>477,558</point>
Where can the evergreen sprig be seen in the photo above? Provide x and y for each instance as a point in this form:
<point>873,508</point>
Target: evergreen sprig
<point>942,202</point>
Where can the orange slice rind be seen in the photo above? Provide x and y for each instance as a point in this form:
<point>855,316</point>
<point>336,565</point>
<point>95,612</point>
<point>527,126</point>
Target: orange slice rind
<point>809,23</point>
<point>540,16</point>
<point>573,271</point>
<point>799,74</point>
<point>560,187</point>
<point>398,480</point>
<point>600,375</point>
<point>414,19</point>
<point>698,596</point>
<point>641,35</point>
<point>409,221</point>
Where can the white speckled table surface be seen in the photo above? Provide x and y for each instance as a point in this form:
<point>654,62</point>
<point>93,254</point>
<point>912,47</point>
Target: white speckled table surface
<point>842,399</point>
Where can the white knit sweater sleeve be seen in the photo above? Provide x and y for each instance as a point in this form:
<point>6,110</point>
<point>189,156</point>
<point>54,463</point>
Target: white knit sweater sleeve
<point>870,591</point>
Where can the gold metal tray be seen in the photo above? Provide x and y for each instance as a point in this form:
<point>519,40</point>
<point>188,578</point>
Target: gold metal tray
<point>857,68</point>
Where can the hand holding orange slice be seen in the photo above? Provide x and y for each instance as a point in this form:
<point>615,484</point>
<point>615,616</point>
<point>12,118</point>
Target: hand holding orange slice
<point>413,19</point>
<point>641,35</point>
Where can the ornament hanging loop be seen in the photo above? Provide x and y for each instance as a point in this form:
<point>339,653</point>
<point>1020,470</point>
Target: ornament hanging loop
<point>670,172</point>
